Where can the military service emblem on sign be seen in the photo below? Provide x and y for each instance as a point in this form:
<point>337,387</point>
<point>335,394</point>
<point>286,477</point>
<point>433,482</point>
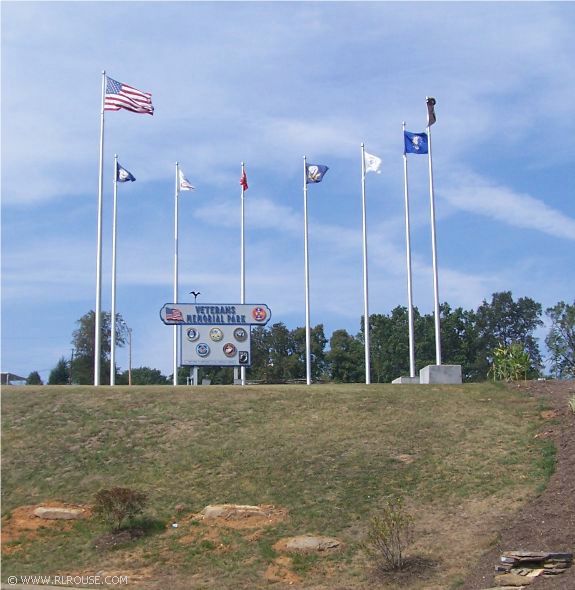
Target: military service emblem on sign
<point>229,349</point>
<point>216,334</point>
<point>203,349</point>
<point>240,335</point>
<point>192,334</point>
<point>259,314</point>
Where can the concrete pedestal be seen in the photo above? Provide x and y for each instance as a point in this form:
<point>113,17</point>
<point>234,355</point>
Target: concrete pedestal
<point>405,380</point>
<point>443,374</point>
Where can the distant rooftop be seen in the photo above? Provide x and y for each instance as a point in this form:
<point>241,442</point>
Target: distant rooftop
<point>11,379</point>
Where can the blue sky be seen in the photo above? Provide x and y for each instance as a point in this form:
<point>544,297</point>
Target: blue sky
<point>266,83</point>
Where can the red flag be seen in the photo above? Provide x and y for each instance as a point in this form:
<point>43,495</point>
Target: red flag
<point>244,180</point>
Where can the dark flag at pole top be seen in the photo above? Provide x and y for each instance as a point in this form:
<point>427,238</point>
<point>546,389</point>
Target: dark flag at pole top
<point>431,111</point>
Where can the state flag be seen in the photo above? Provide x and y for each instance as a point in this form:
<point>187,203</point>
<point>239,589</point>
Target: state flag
<point>415,143</point>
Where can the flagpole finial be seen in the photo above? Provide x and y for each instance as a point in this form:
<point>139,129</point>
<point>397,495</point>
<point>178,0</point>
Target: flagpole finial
<point>362,144</point>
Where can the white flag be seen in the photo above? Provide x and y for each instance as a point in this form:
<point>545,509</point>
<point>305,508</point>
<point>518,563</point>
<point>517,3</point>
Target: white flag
<point>184,183</point>
<point>372,163</point>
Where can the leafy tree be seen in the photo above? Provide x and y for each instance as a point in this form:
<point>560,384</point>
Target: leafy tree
<point>278,354</point>
<point>282,363</point>
<point>389,344</point>
<point>346,358</point>
<point>561,339</point>
<point>143,376</point>
<point>83,341</point>
<point>459,340</point>
<point>318,343</point>
<point>34,379</point>
<point>504,322</point>
<point>60,374</point>
<point>260,353</point>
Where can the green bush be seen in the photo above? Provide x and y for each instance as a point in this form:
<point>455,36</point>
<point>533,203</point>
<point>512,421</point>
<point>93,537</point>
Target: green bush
<point>572,403</point>
<point>119,506</point>
<point>390,533</point>
<point>510,363</point>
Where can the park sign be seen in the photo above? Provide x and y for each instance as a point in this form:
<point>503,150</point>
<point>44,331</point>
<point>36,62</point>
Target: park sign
<point>217,314</point>
<point>215,334</point>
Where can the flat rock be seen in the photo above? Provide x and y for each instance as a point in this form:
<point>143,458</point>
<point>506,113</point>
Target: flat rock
<point>58,513</point>
<point>308,543</point>
<point>513,580</point>
<point>233,511</point>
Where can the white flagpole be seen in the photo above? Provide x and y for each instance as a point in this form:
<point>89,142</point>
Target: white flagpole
<point>113,313</point>
<point>434,254</point>
<point>242,263</point>
<point>365,280</point>
<point>177,192</point>
<point>306,254</point>
<point>409,284</point>
<point>98,312</point>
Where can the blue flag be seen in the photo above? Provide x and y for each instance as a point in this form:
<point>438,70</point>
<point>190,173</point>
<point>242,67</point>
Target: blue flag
<point>123,175</point>
<point>315,172</point>
<point>415,143</point>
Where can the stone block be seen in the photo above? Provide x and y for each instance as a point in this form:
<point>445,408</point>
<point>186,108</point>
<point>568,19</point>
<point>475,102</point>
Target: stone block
<point>441,374</point>
<point>405,380</point>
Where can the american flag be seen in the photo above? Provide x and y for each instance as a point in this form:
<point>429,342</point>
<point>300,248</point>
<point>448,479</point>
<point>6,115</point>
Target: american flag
<point>174,315</point>
<point>121,96</point>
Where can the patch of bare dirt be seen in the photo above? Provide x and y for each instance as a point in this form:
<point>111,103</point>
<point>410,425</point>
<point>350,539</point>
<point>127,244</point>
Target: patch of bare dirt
<point>280,571</point>
<point>239,516</point>
<point>22,525</point>
<point>547,523</point>
<point>115,539</point>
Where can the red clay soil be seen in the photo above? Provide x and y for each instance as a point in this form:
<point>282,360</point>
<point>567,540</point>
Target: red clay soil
<point>547,523</point>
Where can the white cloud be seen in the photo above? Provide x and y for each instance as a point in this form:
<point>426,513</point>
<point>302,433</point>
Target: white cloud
<point>472,193</point>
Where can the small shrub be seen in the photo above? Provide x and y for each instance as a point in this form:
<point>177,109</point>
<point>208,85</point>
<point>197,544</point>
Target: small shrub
<point>510,363</point>
<point>389,534</point>
<point>118,506</point>
<point>572,403</point>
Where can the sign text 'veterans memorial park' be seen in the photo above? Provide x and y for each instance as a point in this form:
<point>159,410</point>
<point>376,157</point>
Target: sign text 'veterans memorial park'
<point>215,334</point>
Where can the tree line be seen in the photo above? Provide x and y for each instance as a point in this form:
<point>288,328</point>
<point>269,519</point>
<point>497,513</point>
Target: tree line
<point>468,338</point>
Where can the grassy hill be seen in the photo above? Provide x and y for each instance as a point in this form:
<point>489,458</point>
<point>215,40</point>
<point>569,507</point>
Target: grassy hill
<point>462,456</point>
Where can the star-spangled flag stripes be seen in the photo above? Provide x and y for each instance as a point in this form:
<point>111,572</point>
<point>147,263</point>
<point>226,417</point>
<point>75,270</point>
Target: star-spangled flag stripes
<point>415,143</point>
<point>123,175</point>
<point>121,96</point>
<point>173,314</point>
